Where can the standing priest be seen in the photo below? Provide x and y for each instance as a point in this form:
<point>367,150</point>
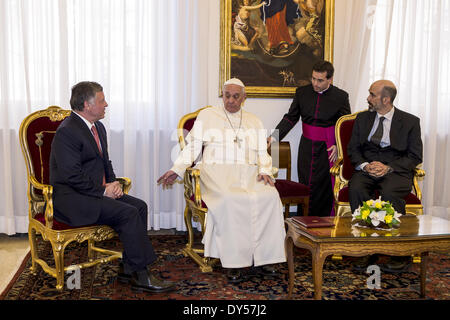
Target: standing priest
<point>244,225</point>
<point>319,105</point>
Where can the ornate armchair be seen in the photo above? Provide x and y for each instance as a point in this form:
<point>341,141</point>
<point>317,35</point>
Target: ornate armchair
<point>291,192</point>
<point>343,170</point>
<point>36,134</point>
<point>196,210</point>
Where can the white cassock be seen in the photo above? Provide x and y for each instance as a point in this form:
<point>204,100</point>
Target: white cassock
<point>245,224</point>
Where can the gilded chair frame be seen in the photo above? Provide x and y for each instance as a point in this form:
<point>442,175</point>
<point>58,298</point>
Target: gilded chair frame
<point>41,202</point>
<point>343,208</point>
<point>194,210</point>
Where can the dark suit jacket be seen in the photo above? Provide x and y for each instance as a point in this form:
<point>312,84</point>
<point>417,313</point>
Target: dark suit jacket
<point>76,171</point>
<point>405,151</point>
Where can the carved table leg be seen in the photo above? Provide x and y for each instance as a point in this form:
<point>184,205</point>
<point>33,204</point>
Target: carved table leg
<point>423,274</point>
<point>317,268</point>
<point>288,245</point>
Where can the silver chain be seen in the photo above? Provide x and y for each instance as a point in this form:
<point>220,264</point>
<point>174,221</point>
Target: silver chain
<point>240,123</point>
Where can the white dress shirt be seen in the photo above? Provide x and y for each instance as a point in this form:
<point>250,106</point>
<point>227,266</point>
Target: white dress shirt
<point>385,140</point>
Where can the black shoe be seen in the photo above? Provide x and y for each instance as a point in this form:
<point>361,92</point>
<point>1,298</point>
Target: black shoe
<point>363,263</point>
<point>396,265</point>
<point>123,277</point>
<point>235,275</point>
<point>267,270</point>
<point>145,281</point>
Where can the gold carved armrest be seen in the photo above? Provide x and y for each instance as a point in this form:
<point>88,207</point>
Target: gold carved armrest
<point>47,191</point>
<point>192,185</point>
<point>275,171</point>
<point>336,168</point>
<point>125,183</point>
<point>419,173</point>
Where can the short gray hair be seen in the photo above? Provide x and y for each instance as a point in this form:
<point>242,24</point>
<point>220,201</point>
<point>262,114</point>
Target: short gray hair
<point>390,92</point>
<point>83,91</point>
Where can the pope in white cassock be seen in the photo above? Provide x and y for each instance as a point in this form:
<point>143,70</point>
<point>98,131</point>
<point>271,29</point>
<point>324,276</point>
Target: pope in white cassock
<point>245,224</point>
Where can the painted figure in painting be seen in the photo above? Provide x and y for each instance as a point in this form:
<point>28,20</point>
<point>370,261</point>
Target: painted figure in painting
<point>275,42</point>
<point>244,33</point>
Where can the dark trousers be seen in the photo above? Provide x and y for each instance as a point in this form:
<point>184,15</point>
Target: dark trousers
<point>392,188</point>
<point>128,217</point>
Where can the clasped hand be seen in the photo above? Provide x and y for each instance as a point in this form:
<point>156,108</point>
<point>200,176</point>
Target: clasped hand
<point>376,169</point>
<point>113,190</point>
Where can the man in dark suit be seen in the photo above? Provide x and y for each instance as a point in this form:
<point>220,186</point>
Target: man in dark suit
<point>85,191</point>
<point>385,147</point>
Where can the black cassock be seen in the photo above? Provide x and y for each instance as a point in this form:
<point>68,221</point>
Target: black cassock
<point>318,110</point>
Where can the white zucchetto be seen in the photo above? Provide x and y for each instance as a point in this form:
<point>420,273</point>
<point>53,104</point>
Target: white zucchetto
<point>235,81</point>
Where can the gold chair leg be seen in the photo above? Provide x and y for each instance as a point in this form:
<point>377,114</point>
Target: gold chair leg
<point>188,222</point>
<point>33,248</point>
<point>58,253</point>
<point>91,252</point>
<point>306,207</point>
<point>286,211</point>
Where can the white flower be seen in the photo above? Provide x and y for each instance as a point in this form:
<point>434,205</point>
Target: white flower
<point>356,213</point>
<point>374,234</point>
<point>376,217</point>
<point>378,201</point>
<point>397,216</point>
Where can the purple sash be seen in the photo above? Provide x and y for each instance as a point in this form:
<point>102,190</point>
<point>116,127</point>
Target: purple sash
<point>321,134</point>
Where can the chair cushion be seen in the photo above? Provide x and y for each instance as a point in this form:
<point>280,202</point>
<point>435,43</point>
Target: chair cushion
<point>188,125</point>
<point>56,224</point>
<point>410,198</point>
<point>345,135</point>
<point>287,188</point>
<point>203,204</point>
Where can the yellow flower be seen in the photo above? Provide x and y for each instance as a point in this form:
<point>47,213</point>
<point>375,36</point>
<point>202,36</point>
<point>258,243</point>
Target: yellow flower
<point>388,218</point>
<point>365,213</point>
<point>378,205</point>
<point>363,234</point>
<point>388,235</point>
<point>369,202</point>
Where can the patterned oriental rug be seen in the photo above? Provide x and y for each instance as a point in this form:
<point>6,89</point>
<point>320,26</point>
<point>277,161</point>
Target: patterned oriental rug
<point>339,281</point>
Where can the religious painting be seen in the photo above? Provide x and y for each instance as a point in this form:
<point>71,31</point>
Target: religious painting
<point>271,45</point>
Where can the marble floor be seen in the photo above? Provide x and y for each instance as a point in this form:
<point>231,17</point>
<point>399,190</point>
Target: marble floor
<point>13,250</point>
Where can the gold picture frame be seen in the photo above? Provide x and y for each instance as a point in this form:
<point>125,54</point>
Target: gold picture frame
<point>253,48</point>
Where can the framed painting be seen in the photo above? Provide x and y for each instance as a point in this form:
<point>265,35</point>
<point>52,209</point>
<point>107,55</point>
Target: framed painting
<point>271,45</point>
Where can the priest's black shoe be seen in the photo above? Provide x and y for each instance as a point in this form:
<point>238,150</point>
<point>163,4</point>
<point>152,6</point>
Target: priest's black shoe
<point>235,275</point>
<point>363,263</point>
<point>396,264</point>
<point>122,276</point>
<point>145,281</point>
<point>267,270</point>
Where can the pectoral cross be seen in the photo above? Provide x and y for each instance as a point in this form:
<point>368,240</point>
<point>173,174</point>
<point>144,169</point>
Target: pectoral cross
<point>238,141</point>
